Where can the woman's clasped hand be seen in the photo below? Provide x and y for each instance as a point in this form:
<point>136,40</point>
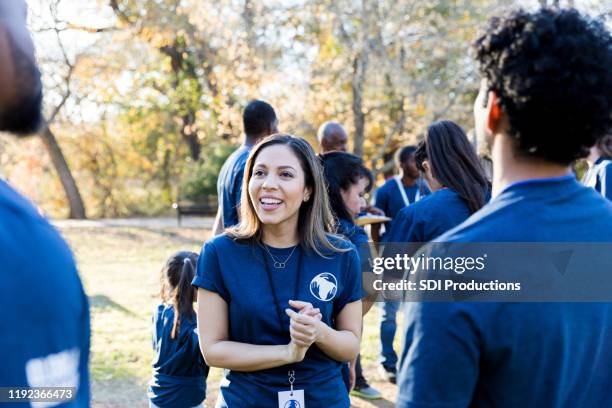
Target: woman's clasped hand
<point>305,328</point>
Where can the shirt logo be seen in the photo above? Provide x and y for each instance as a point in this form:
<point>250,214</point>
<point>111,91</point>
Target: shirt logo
<point>55,370</point>
<point>324,286</point>
<point>292,404</point>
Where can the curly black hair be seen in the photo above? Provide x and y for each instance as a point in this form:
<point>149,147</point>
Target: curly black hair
<point>552,72</point>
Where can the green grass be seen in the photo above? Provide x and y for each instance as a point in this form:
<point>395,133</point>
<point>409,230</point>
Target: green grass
<point>120,270</point>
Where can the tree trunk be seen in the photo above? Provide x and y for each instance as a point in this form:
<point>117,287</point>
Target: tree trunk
<point>190,135</point>
<point>360,67</point>
<point>77,208</point>
<point>357,84</point>
<point>179,65</point>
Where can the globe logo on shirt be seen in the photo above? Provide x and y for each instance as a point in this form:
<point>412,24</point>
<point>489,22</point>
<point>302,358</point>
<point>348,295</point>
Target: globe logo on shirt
<point>292,404</point>
<point>324,286</point>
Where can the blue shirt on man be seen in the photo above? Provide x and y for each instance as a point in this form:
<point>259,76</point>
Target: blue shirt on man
<point>515,354</point>
<point>179,370</point>
<point>236,271</point>
<point>44,334</point>
<point>389,198</point>
<point>598,178</point>
<point>229,185</point>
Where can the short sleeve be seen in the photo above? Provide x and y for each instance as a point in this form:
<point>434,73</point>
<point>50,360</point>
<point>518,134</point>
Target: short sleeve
<point>438,335</point>
<point>352,290</point>
<point>208,272</point>
<point>363,249</point>
<point>236,192</point>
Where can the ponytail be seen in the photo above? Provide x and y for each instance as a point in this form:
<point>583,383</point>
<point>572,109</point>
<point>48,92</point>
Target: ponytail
<point>184,296</point>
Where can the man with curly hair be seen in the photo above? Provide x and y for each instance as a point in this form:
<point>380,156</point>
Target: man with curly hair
<point>545,99</point>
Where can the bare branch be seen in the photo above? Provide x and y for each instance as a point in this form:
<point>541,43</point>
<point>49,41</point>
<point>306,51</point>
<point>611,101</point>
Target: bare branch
<point>93,30</point>
<point>59,106</point>
<point>120,13</point>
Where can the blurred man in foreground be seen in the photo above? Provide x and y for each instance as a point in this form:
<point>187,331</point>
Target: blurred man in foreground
<point>545,99</point>
<point>44,335</point>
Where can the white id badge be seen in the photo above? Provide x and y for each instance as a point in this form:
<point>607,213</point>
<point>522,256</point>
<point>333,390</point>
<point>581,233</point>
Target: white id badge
<point>287,400</point>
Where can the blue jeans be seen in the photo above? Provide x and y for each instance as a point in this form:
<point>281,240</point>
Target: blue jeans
<point>388,327</point>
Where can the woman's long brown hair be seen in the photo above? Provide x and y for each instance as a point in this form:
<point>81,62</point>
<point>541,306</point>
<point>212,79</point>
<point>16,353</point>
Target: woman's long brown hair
<point>454,163</point>
<point>316,222</point>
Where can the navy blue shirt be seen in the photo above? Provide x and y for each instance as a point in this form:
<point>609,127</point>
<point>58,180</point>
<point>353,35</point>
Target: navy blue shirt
<point>389,198</point>
<point>229,185</point>
<point>515,354</point>
<point>179,370</point>
<point>44,333</point>
<point>359,238</point>
<point>352,232</point>
<point>428,218</point>
<point>236,271</point>
<point>598,178</point>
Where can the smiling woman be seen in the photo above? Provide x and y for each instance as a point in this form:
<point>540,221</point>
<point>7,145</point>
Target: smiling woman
<point>281,254</point>
<point>287,195</point>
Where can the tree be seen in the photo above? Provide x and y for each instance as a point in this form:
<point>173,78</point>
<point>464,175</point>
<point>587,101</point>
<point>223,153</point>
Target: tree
<point>398,65</point>
<point>73,195</point>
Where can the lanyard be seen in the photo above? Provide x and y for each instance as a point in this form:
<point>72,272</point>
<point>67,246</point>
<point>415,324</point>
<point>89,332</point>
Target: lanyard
<point>279,314</point>
<point>402,191</point>
<point>277,305</point>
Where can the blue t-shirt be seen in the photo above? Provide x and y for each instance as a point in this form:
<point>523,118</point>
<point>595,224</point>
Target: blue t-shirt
<point>236,271</point>
<point>179,370</point>
<point>359,238</point>
<point>389,198</point>
<point>352,232</point>
<point>428,218</point>
<point>515,354</point>
<point>229,185</point>
<point>44,334</point>
<point>597,177</point>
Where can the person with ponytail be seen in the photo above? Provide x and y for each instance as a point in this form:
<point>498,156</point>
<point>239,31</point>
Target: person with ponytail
<point>455,176</point>
<point>179,370</point>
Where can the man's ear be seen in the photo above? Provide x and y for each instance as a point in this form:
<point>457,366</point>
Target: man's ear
<point>494,117</point>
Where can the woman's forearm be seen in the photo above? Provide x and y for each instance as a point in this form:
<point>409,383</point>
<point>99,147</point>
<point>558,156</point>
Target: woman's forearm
<point>341,345</point>
<point>247,357</point>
